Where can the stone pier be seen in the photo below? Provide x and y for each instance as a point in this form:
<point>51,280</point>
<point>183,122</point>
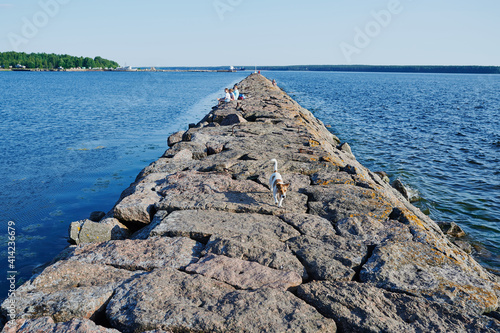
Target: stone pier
<point>197,244</point>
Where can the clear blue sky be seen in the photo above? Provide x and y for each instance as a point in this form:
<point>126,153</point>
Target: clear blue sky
<point>257,32</point>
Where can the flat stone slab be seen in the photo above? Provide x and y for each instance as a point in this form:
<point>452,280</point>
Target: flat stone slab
<point>132,255</point>
<point>372,231</point>
<point>251,237</point>
<point>361,307</point>
<point>201,224</point>
<point>244,274</point>
<point>335,202</point>
<point>264,250</point>
<point>219,191</point>
<point>167,299</point>
<point>420,270</point>
<point>67,290</point>
<point>329,258</point>
<point>310,225</point>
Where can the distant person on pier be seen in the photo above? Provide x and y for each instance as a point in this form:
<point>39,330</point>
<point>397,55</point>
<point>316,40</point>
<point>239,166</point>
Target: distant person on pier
<point>236,92</point>
<point>274,83</point>
<point>226,99</point>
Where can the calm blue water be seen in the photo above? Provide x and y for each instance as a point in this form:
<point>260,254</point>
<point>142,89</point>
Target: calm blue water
<point>72,142</point>
<point>438,133</point>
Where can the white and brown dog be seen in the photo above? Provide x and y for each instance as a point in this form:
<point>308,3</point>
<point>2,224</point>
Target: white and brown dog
<point>277,186</point>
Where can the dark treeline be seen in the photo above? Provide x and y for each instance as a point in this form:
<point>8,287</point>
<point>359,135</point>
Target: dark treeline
<point>383,68</point>
<point>51,61</point>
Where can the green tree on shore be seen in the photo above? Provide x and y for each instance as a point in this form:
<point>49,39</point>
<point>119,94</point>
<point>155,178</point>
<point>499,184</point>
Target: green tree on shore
<point>51,61</point>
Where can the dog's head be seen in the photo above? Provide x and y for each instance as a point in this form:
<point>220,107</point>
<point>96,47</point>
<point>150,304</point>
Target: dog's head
<point>282,188</point>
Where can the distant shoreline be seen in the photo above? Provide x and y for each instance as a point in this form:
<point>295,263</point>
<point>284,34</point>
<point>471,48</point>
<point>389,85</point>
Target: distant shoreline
<point>311,68</point>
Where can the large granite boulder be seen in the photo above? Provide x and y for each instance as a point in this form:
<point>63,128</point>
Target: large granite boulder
<point>335,202</point>
<point>420,270</point>
<point>331,257</point>
<point>244,274</point>
<point>67,290</point>
<point>252,237</point>
<point>136,206</point>
<point>87,231</point>
<point>167,299</point>
<point>133,255</point>
<point>361,307</point>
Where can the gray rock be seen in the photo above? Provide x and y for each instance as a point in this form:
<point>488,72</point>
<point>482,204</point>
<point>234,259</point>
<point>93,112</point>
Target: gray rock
<point>451,229</point>
<point>47,324</point>
<point>183,155</point>
<point>118,231</point>
<point>371,231</point>
<point>86,231</point>
<point>74,231</point>
<point>327,178</point>
<point>214,148</point>
<point>329,258</point>
<point>244,274</point>
<point>463,245</point>
<point>96,216</point>
<point>359,307</point>
<point>169,299</point>
<point>137,205</point>
<point>232,119</point>
<point>132,255</point>
<point>398,185</point>
<point>200,225</point>
<point>252,237</point>
<point>94,232</point>
<point>383,176</point>
<point>309,225</point>
<point>67,290</point>
<point>346,148</point>
<point>267,251</point>
<point>418,269</point>
<point>339,201</point>
<point>175,138</point>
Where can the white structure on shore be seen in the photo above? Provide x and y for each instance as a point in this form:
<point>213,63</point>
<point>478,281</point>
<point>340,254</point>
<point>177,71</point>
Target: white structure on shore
<point>126,69</point>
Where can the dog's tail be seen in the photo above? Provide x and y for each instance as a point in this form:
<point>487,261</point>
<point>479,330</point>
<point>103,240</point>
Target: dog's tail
<point>275,164</point>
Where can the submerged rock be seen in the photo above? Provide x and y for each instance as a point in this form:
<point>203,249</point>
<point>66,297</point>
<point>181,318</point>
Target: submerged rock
<point>398,185</point>
<point>452,229</point>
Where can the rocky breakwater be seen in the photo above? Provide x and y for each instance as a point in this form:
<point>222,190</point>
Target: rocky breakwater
<point>196,243</point>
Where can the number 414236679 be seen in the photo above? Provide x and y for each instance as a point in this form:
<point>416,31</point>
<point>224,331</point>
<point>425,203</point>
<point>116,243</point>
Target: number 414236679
<point>12,245</point>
